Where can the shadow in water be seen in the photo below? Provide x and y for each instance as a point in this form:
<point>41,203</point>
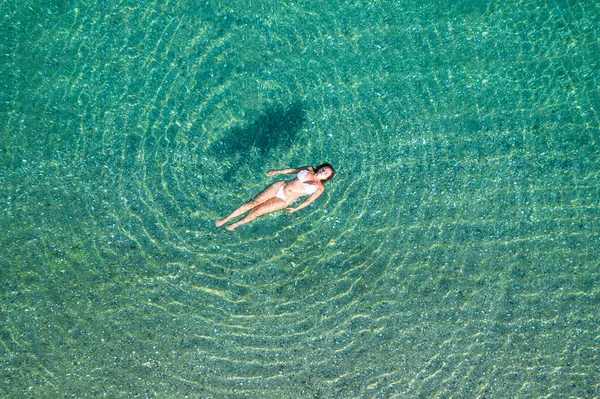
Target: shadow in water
<point>275,128</point>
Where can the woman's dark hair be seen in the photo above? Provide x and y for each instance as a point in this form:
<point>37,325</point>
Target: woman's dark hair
<point>326,165</point>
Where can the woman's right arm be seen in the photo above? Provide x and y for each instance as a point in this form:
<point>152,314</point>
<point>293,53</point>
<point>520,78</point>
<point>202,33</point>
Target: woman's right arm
<point>289,171</point>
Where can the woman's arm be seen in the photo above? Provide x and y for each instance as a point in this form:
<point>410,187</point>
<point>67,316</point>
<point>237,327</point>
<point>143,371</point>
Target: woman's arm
<point>306,203</point>
<point>288,171</point>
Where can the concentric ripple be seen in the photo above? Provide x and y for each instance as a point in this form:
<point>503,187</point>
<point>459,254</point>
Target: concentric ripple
<point>453,255</point>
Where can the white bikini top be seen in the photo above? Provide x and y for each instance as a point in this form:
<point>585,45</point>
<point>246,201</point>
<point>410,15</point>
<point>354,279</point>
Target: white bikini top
<point>309,188</point>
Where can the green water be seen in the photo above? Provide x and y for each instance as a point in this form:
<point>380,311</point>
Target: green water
<point>454,255</point>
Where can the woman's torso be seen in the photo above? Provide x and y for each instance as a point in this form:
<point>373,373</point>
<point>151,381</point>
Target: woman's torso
<point>303,184</point>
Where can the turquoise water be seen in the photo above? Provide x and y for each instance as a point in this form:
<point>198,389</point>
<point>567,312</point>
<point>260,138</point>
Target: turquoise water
<point>454,255</point>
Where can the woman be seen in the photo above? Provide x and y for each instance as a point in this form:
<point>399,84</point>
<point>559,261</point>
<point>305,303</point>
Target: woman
<point>308,181</point>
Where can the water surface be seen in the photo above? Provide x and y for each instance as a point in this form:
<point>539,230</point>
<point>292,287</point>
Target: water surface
<point>454,255</point>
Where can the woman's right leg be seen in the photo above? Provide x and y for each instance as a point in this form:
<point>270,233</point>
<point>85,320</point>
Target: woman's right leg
<point>260,198</point>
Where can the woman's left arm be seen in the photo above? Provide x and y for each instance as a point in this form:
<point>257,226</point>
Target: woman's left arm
<point>306,203</point>
<point>288,171</point>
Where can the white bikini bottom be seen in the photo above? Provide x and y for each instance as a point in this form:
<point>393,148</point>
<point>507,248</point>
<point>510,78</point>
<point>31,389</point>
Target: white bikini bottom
<point>280,193</point>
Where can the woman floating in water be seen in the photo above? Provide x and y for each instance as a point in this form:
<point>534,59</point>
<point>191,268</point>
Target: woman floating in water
<point>283,193</point>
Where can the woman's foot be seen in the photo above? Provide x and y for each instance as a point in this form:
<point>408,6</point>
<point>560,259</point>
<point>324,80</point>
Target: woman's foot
<point>221,222</point>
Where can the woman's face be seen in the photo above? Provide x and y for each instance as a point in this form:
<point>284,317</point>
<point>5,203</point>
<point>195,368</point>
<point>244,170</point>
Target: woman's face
<point>324,172</point>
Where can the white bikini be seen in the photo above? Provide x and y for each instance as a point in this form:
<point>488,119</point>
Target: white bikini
<point>280,193</point>
<point>309,188</point>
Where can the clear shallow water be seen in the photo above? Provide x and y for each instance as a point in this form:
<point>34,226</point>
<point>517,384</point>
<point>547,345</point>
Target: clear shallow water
<point>455,254</point>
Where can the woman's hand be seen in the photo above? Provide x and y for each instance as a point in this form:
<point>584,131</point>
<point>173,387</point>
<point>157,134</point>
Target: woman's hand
<point>290,210</point>
<point>271,172</point>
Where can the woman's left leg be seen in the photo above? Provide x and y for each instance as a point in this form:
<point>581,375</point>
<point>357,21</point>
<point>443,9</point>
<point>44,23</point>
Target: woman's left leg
<point>272,205</point>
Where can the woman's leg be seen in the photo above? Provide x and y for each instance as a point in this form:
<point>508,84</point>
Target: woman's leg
<point>261,197</point>
<point>272,205</point>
